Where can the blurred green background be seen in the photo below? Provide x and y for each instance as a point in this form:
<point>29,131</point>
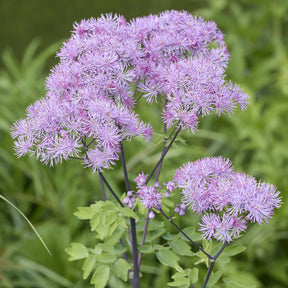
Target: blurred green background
<point>256,140</point>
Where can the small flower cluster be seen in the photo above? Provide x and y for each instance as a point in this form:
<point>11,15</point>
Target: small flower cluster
<point>225,199</point>
<point>88,109</point>
<point>149,196</point>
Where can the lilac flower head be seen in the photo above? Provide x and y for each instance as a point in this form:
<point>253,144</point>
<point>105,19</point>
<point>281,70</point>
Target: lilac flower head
<point>185,61</point>
<point>225,199</point>
<point>87,110</point>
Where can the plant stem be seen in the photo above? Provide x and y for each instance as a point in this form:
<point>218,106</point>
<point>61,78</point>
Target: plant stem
<point>144,236</point>
<point>110,189</point>
<point>184,234</point>
<point>105,199</point>
<point>135,279</point>
<point>211,265</point>
<point>163,155</point>
<point>163,150</point>
<point>102,188</point>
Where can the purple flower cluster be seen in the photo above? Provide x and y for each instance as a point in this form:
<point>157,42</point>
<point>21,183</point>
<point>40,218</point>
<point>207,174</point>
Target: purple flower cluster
<point>185,61</point>
<point>149,196</point>
<point>225,199</point>
<point>89,100</point>
<point>175,58</point>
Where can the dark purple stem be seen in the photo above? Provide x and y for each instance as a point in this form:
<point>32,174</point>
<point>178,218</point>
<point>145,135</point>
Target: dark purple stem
<point>102,189</point>
<point>183,233</point>
<point>144,236</point>
<point>135,279</point>
<point>163,150</point>
<point>211,265</point>
<point>110,189</point>
<point>163,155</point>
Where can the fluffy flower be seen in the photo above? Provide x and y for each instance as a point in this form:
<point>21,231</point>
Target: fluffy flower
<point>226,200</point>
<point>172,57</point>
<point>185,61</point>
<point>87,110</point>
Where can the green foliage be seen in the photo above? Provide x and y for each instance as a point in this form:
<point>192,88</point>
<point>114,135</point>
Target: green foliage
<point>100,276</point>
<point>238,283</point>
<point>168,258</point>
<point>77,251</point>
<point>108,222</point>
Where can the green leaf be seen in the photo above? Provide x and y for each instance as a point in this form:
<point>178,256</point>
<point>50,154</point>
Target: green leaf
<point>223,259</point>
<point>121,222</point>
<point>108,248</point>
<point>214,278</point>
<point>208,245</point>
<point>106,258</point>
<point>119,250</point>
<point>95,221</point>
<point>112,228</point>
<point>121,268</point>
<point>150,248</point>
<point>99,226</point>
<point>77,251</point>
<point>110,218</point>
<point>238,283</point>
<point>115,236</point>
<point>127,212</point>
<point>168,236</point>
<point>184,282</point>
<point>100,276</point>
<point>168,258</point>
<point>181,247</point>
<point>88,265</point>
<point>147,249</point>
<point>155,234</point>
<point>190,231</point>
<point>84,213</point>
<point>153,225</point>
<point>233,250</point>
<point>181,279</point>
<point>194,274</point>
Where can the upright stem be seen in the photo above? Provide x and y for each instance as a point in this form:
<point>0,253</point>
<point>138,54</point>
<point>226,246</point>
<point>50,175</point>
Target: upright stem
<point>144,236</point>
<point>163,155</point>
<point>135,279</point>
<point>211,265</point>
<point>105,199</point>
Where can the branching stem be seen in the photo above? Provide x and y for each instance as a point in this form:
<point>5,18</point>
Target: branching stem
<point>211,265</point>
<point>163,155</point>
<point>110,189</point>
<point>185,235</point>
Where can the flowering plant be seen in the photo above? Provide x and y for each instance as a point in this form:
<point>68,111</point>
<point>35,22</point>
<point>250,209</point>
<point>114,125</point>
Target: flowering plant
<point>107,69</point>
